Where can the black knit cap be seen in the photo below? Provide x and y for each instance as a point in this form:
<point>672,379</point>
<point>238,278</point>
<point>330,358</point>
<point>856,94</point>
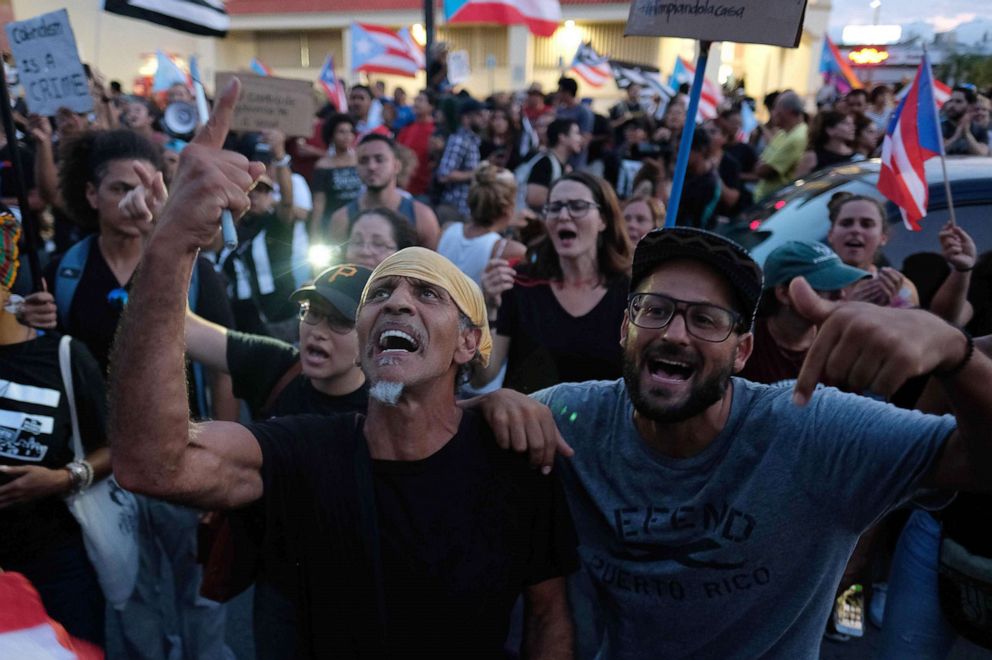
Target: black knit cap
<point>722,254</point>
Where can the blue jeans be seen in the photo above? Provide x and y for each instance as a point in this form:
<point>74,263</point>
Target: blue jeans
<point>914,625</point>
<point>67,584</point>
<point>167,534</point>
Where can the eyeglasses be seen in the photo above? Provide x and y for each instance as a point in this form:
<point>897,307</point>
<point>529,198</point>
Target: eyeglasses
<point>372,246</point>
<point>577,208</point>
<point>702,320</point>
<point>117,298</point>
<point>335,321</point>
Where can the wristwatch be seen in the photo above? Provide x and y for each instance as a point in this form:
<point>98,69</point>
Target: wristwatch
<point>283,162</point>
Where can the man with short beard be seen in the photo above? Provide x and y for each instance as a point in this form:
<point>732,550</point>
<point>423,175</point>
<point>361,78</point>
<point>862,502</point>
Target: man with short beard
<point>378,169</point>
<point>716,515</point>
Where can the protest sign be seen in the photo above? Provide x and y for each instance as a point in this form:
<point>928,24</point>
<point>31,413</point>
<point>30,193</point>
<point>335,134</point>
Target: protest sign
<point>774,22</point>
<point>48,64</point>
<point>268,102</point>
<point>458,67</point>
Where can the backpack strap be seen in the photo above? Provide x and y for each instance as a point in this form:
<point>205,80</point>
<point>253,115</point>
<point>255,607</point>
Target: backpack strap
<point>270,401</point>
<point>68,275</point>
<point>65,368</point>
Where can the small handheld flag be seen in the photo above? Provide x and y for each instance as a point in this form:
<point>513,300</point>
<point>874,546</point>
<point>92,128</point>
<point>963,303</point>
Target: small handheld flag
<point>712,95</point>
<point>332,85</point>
<point>592,67</point>
<point>913,137</point>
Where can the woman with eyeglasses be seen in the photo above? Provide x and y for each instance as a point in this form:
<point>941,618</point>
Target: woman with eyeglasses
<point>376,234</point>
<point>559,314</point>
<point>335,179</point>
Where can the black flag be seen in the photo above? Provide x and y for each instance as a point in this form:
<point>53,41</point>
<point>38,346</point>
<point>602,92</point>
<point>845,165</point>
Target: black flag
<point>205,17</point>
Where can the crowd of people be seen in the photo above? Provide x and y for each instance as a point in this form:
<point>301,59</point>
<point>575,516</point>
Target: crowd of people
<point>428,301</point>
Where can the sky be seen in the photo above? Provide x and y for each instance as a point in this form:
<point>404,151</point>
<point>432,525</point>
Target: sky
<point>942,14</point>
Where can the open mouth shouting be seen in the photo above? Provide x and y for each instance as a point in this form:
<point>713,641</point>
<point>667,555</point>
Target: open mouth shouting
<point>315,355</point>
<point>393,342</point>
<point>567,236</point>
<point>668,370</point>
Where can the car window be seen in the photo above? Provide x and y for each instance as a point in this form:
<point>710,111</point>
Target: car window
<point>802,216</point>
<point>975,219</point>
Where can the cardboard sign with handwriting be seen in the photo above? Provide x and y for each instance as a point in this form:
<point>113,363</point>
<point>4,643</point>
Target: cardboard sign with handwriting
<point>774,22</point>
<point>267,102</point>
<point>48,64</point>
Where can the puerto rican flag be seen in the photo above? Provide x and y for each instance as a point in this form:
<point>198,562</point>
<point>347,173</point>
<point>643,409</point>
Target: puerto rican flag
<point>332,85</point>
<point>541,17</point>
<point>592,67</point>
<point>26,631</point>
<point>378,49</point>
<point>941,93</point>
<point>709,100</point>
<point>913,137</point>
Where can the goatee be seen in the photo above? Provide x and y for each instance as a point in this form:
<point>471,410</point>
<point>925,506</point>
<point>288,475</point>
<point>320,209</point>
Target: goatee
<point>386,392</point>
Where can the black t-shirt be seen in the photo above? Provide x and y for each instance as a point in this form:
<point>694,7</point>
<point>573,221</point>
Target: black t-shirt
<point>35,429</point>
<point>744,153</point>
<point>93,318</point>
<point>257,363</point>
<point>550,346</point>
<point>543,173</point>
<point>700,196</point>
<point>462,533</point>
<point>261,284</point>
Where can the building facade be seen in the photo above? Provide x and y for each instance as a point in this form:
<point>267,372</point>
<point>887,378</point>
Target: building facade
<point>293,37</point>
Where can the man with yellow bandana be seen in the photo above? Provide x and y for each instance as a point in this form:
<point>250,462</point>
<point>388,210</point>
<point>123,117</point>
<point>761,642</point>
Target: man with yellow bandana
<point>411,531</point>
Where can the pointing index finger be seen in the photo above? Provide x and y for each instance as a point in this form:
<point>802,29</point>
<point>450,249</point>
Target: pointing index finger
<point>214,132</point>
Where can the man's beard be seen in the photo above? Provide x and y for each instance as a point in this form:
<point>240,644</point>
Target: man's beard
<point>386,392</point>
<point>703,394</point>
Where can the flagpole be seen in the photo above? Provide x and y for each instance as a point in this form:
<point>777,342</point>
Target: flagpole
<point>685,144</point>
<point>943,155</point>
<point>29,225</point>
<point>429,41</point>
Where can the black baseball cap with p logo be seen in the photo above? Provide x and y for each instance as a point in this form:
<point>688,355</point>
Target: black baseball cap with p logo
<point>340,286</point>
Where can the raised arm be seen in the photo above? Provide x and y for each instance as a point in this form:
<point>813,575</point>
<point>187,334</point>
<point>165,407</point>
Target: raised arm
<point>879,348</point>
<point>951,300</point>
<point>156,450</point>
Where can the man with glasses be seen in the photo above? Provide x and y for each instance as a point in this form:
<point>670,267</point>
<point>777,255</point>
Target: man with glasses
<point>378,168</point>
<point>716,515</point>
<point>276,379</point>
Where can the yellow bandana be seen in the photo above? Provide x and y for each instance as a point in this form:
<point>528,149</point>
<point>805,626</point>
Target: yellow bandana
<point>429,266</point>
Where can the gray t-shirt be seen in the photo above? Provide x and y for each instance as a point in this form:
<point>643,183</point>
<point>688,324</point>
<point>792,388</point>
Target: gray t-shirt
<point>737,551</point>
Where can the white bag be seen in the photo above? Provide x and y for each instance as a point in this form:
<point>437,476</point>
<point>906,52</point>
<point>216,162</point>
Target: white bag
<point>107,514</point>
